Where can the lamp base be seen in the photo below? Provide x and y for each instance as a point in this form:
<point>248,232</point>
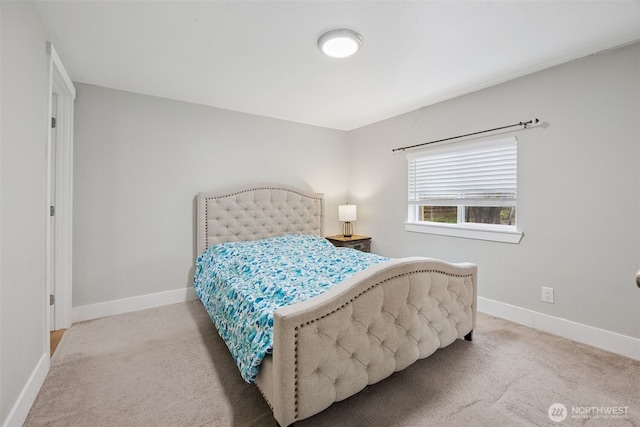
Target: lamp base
<point>347,229</point>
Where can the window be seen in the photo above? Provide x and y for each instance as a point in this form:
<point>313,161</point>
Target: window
<point>465,190</point>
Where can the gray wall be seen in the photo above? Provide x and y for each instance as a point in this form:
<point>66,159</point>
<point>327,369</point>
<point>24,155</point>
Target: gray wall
<point>578,189</point>
<point>139,161</point>
<point>24,100</point>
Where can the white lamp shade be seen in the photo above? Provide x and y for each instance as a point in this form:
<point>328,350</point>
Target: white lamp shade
<point>347,212</point>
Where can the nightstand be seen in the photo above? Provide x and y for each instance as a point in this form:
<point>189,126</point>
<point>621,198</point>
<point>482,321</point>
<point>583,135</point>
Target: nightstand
<point>361,243</point>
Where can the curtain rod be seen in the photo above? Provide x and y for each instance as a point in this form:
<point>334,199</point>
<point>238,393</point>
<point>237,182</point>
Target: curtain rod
<point>525,124</point>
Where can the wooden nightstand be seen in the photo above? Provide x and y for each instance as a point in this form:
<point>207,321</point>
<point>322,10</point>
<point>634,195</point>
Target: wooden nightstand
<point>361,243</point>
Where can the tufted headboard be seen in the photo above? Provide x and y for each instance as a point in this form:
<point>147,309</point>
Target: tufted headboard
<point>257,212</point>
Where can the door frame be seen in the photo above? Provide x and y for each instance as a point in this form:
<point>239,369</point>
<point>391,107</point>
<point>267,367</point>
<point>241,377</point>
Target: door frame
<point>50,238</point>
<point>61,85</point>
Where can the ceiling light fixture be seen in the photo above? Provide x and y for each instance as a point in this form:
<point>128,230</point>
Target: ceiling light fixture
<point>340,43</point>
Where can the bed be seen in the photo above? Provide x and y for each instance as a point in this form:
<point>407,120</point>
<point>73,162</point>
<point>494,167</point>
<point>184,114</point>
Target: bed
<point>377,321</point>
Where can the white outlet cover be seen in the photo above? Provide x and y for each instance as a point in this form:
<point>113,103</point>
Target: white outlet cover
<point>547,294</point>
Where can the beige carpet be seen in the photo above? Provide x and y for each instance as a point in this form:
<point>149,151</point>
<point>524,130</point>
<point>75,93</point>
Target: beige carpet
<point>168,367</point>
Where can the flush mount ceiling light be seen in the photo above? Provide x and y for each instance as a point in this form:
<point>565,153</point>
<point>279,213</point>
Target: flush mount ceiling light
<point>341,43</point>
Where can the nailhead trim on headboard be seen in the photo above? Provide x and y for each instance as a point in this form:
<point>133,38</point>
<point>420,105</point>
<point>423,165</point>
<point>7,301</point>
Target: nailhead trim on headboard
<point>258,212</point>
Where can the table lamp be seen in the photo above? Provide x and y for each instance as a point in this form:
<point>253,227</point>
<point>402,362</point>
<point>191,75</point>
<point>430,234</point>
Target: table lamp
<point>347,213</point>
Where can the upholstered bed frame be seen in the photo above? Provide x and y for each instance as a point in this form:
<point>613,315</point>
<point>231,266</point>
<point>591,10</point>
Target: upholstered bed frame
<point>378,321</point>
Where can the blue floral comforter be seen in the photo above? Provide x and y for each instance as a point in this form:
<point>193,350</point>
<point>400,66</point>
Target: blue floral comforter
<point>241,284</point>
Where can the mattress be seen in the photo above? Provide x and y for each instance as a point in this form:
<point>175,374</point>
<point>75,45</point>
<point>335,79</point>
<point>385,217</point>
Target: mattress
<point>242,284</point>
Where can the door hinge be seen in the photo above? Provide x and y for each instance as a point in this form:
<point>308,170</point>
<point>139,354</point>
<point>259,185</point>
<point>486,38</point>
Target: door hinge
<point>52,210</point>
<point>53,122</point>
<point>52,299</point>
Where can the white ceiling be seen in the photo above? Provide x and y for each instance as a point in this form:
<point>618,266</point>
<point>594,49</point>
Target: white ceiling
<point>261,57</point>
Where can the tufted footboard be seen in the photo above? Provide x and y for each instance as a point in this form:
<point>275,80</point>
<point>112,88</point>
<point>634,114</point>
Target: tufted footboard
<point>379,321</point>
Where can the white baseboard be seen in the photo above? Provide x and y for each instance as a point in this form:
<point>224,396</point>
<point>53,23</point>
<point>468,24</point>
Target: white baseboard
<point>20,410</point>
<point>606,340</point>
<point>126,305</point>
<point>600,338</point>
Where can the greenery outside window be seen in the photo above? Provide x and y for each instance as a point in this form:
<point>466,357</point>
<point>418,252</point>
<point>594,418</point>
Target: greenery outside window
<point>465,190</point>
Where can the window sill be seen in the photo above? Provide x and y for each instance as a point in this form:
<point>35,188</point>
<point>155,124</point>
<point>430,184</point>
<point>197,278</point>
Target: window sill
<point>504,236</point>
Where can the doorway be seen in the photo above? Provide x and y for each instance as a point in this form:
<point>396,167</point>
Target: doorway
<point>59,207</point>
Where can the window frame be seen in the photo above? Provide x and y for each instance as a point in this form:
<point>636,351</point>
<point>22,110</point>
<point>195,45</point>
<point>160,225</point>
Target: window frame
<point>491,232</point>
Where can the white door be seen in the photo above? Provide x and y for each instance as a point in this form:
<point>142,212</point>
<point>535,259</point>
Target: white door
<point>59,190</point>
<point>51,259</point>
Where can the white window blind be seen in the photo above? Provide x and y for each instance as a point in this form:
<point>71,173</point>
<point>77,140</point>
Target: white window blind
<point>474,174</point>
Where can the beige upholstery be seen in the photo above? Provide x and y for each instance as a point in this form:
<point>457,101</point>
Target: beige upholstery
<point>257,212</point>
<point>377,322</point>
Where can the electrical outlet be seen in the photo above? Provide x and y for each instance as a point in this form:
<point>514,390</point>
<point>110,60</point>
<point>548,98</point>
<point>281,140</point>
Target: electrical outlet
<point>547,294</point>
